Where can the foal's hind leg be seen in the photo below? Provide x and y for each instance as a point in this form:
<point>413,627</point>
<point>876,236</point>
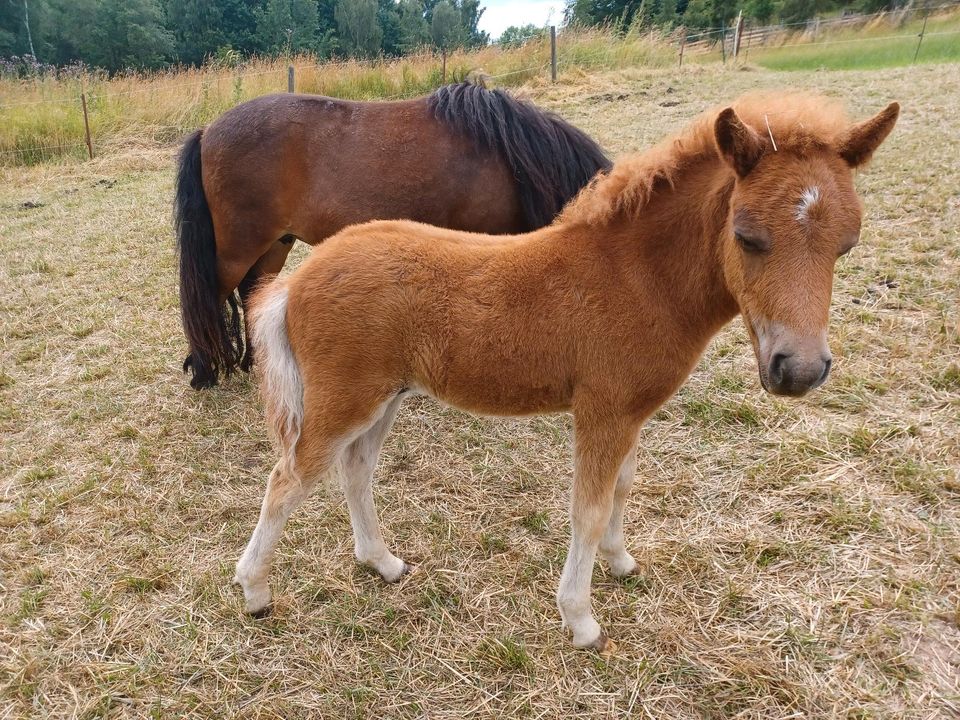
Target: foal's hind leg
<point>358,463</point>
<point>285,491</point>
<point>332,422</point>
<point>270,263</point>
<point>611,546</point>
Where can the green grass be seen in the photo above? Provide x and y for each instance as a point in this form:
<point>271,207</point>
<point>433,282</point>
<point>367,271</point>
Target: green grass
<point>867,49</point>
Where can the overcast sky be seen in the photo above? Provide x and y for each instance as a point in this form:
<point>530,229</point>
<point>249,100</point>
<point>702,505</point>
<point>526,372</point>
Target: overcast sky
<point>501,14</point>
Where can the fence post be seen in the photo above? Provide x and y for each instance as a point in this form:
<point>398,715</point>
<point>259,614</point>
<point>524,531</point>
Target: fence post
<point>553,53</point>
<point>723,42</point>
<point>290,84</point>
<point>920,41</point>
<point>444,55</point>
<point>737,35</point>
<point>86,121</point>
<point>683,42</point>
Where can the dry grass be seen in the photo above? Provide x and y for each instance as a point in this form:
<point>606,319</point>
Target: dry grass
<point>800,559</point>
<point>41,120</point>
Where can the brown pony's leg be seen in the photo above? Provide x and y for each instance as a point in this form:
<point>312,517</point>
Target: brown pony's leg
<point>270,263</point>
<point>601,443</point>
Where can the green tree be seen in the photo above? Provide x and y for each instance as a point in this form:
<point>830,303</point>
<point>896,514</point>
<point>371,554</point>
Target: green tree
<point>287,26</point>
<point>445,29</point>
<point>470,14</point>
<point>515,36</point>
<point>388,17</point>
<point>126,34</point>
<point>414,31</point>
<point>759,10</point>
<point>196,28</point>
<point>667,15</point>
<point>360,33</point>
<point>703,14</point>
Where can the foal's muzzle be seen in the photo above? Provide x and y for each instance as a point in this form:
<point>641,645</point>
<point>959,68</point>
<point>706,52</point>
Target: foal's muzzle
<point>791,363</point>
<point>795,375</point>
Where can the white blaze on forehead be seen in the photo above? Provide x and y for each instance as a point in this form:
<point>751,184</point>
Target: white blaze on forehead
<point>808,199</point>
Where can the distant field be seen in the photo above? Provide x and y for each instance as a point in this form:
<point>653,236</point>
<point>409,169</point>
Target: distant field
<point>800,559</point>
<point>869,48</point>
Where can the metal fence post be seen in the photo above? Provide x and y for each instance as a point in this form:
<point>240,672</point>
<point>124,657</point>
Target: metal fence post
<point>553,53</point>
<point>920,41</point>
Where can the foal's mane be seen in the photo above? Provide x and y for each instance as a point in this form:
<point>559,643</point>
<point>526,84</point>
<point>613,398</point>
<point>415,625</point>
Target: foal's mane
<point>798,123</point>
<point>550,158</point>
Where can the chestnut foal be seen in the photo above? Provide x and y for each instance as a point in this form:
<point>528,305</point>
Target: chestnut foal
<point>604,313</point>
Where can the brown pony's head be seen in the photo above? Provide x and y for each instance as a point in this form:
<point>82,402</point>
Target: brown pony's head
<point>793,212</point>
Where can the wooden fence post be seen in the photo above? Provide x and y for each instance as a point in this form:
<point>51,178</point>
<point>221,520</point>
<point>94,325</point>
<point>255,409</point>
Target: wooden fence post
<point>683,42</point>
<point>737,35</point>
<point>553,53</point>
<point>920,41</point>
<point>86,121</point>
<point>290,84</point>
<point>443,53</point>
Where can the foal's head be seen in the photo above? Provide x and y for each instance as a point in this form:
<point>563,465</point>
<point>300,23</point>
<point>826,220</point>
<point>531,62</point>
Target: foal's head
<point>793,212</point>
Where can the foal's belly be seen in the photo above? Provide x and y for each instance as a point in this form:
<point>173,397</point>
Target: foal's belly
<point>492,396</point>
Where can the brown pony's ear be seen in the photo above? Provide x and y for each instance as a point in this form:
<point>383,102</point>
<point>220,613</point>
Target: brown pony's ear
<point>857,144</point>
<point>739,144</point>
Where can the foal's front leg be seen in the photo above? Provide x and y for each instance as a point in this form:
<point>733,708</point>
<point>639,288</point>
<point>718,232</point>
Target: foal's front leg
<point>599,451</point>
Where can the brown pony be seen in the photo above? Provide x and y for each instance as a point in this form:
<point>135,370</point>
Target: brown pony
<point>604,313</point>
<point>287,167</point>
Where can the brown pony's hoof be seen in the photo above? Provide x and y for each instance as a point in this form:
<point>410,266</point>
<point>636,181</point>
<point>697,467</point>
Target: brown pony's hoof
<point>263,612</point>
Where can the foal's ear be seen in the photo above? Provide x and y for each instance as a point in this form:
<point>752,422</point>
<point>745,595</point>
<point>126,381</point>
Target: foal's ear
<point>739,144</point>
<point>857,144</point>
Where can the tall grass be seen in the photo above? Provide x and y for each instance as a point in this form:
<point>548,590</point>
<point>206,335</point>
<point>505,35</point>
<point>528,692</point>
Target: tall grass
<point>41,119</point>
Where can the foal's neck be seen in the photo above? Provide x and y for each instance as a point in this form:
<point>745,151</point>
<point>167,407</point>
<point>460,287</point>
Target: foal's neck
<point>675,244</point>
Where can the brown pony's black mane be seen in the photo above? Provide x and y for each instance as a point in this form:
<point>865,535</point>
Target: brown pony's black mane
<point>551,159</point>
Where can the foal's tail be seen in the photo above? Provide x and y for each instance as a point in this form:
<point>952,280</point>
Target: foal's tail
<point>216,343</point>
<point>281,383</point>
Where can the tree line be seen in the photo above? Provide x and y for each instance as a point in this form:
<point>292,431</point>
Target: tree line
<point>702,14</point>
<point>146,34</point>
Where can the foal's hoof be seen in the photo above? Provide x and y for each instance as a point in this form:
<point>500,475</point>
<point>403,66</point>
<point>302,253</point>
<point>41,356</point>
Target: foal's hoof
<point>405,570</point>
<point>604,645</point>
<point>263,612</point>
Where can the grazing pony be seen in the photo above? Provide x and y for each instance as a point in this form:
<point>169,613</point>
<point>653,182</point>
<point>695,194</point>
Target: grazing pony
<point>286,167</point>
<point>604,313</point>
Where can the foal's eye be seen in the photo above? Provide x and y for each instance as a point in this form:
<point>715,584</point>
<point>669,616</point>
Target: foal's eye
<point>750,244</point>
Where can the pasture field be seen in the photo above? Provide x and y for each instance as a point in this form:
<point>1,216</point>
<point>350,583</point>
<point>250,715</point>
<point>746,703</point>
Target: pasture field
<point>877,45</point>
<point>800,559</point>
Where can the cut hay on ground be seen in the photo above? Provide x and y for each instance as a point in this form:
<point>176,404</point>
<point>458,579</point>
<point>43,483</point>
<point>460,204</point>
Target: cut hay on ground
<point>800,558</point>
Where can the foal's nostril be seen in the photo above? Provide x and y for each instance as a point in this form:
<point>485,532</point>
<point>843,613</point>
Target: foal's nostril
<point>826,371</point>
<point>776,367</point>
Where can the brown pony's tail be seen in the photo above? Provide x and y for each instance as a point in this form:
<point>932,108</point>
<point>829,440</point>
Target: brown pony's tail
<point>216,342</point>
